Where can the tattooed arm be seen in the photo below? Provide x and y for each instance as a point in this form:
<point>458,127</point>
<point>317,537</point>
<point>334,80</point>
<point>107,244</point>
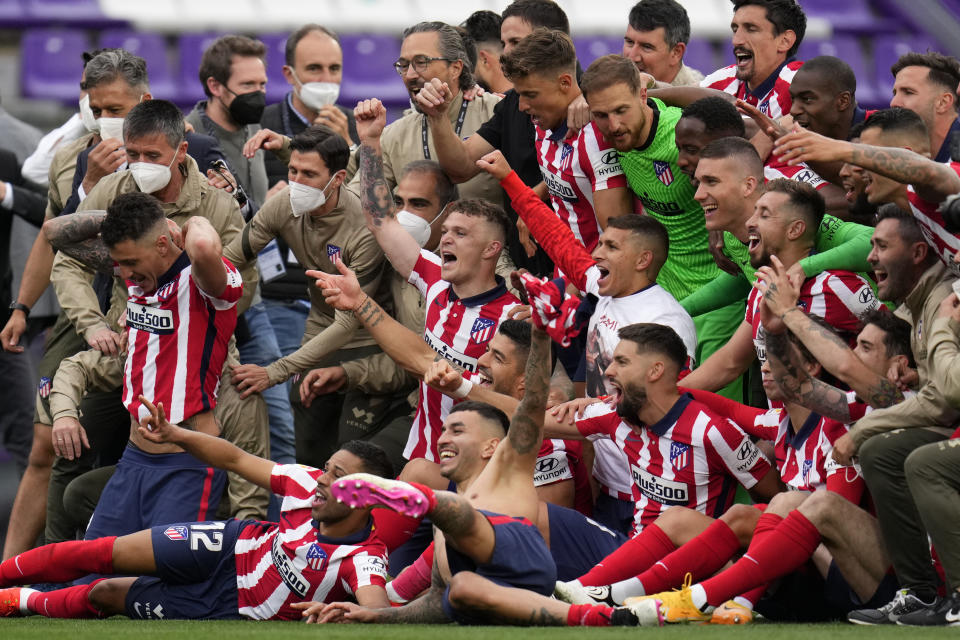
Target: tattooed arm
<point>78,236</point>
<point>376,197</point>
<point>526,425</point>
<point>799,386</point>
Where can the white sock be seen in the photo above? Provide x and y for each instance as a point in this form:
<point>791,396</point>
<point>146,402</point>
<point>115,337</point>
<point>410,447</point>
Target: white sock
<point>620,591</point>
<point>25,593</point>
<point>699,597</point>
<point>743,602</point>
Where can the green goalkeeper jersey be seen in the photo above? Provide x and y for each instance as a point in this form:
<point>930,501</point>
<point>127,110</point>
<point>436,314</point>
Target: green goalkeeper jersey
<point>667,195</point>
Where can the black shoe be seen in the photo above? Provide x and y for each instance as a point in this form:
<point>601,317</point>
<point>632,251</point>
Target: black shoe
<point>623,617</point>
<point>903,603</point>
<point>945,613</point>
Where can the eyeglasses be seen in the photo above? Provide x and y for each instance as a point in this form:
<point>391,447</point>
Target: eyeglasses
<point>419,64</point>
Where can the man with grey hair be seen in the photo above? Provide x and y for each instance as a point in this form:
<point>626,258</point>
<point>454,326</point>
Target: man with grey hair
<point>434,52</point>
<point>656,39</point>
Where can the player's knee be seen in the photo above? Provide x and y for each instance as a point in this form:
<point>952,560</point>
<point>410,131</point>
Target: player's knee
<point>742,519</point>
<point>681,524</point>
<point>785,502</point>
<point>108,596</point>
<point>822,506</point>
<point>468,591</point>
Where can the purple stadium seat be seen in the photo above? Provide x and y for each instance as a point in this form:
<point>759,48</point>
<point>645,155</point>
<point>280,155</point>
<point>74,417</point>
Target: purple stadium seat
<point>590,48</point>
<point>277,86</point>
<point>78,13</point>
<point>701,56</point>
<point>192,46</point>
<point>886,51</point>
<point>368,70</point>
<point>848,49</point>
<point>12,14</point>
<point>152,47</point>
<point>52,63</point>
<point>848,15</point>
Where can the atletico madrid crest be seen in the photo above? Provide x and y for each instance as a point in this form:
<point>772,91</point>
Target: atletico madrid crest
<point>664,173</point>
<point>333,253</point>
<point>176,532</point>
<point>317,558</point>
<point>482,330</point>
<point>679,455</point>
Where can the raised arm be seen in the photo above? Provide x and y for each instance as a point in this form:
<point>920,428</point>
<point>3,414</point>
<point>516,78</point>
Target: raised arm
<point>526,425</point>
<point>78,236</point>
<point>375,194</point>
<point>931,180</point>
<point>457,157</point>
<point>203,246</point>
<point>214,451</point>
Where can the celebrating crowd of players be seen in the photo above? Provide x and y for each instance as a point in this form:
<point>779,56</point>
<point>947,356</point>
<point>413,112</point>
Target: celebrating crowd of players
<point>623,345</point>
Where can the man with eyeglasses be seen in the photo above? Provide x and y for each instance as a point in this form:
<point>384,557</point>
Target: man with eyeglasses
<point>435,51</point>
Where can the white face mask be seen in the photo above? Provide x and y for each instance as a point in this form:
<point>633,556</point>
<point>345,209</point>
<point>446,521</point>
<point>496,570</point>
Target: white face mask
<point>416,226</point>
<point>86,115</point>
<point>316,95</point>
<point>111,128</point>
<point>150,177</point>
<point>304,198</point>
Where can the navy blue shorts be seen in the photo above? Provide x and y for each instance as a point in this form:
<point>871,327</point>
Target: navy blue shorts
<point>196,575</point>
<point>578,543</point>
<point>613,513</point>
<point>520,559</point>
<point>150,489</point>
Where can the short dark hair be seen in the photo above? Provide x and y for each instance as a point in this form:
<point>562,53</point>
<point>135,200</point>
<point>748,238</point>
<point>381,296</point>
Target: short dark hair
<point>480,208</point>
<point>735,147</point>
<point>944,71</point>
<point>519,333</point>
<point>784,15</point>
<point>321,139</point>
<point>658,338</point>
<point>538,13</point>
<point>130,216</point>
<point>897,120</point>
<point>836,73</point>
<point>451,45</point>
<point>541,52</point>
<point>607,71</point>
<point>151,117</point>
<point>803,198</point>
<point>290,48</point>
<point>446,190</point>
<point>111,65</point>
<point>896,338</point>
<point>484,27</point>
<point>650,15</point>
<point>375,459</point>
<point>486,411</point>
<point>910,229</point>
<point>218,57</point>
<point>650,229</point>
<point>468,45</point>
<point>718,116</point>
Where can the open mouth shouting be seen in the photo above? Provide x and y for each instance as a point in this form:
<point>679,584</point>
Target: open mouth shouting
<point>744,59</point>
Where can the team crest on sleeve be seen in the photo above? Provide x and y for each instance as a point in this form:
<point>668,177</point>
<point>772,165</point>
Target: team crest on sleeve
<point>317,558</point>
<point>333,253</point>
<point>176,532</point>
<point>44,387</point>
<point>664,172</point>
<point>482,330</point>
<point>679,455</point>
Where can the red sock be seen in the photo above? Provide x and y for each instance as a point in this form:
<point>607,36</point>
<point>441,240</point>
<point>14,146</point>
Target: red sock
<point>634,556</point>
<point>589,615</point>
<point>767,523</point>
<point>72,602</point>
<point>428,492</point>
<point>60,562</point>
<point>778,553</point>
<point>701,557</point>
<point>394,528</point>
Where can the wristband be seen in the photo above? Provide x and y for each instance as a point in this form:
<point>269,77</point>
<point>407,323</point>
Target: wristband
<point>463,390</point>
<point>19,306</point>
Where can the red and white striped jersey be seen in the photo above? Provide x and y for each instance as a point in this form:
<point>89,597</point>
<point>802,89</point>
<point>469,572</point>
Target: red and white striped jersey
<point>802,172</point>
<point>279,564</point>
<point>945,243</point>
<point>177,342</point>
<point>839,297</point>
<point>572,171</point>
<point>458,330</point>
<point>772,97</point>
<point>691,458</point>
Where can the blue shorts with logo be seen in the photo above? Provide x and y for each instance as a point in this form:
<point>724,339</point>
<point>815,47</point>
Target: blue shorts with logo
<point>196,575</point>
<point>520,559</point>
<point>578,543</point>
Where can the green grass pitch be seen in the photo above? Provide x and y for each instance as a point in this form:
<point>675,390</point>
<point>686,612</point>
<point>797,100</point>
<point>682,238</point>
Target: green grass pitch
<point>120,628</point>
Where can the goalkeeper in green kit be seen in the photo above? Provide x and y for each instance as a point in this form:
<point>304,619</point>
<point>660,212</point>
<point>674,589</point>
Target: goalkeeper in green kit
<point>641,129</point>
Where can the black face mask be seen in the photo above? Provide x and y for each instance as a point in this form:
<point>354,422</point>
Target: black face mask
<point>247,108</point>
